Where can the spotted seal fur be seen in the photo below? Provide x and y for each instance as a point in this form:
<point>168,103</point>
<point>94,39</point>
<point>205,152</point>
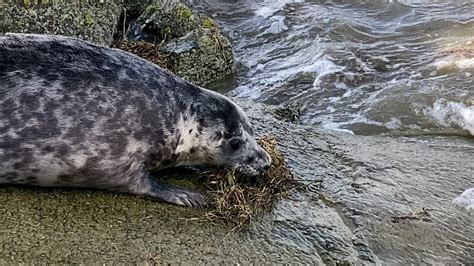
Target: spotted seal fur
<point>76,114</point>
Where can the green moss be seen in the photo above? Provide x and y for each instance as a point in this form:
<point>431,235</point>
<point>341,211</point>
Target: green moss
<point>166,31</point>
<point>183,12</point>
<point>32,12</point>
<point>151,9</point>
<point>89,19</point>
<point>19,24</point>
<point>207,42</point>
<point>209,23</point>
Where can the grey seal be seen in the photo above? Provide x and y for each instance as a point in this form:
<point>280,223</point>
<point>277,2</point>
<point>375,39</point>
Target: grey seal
<point>76,114</point>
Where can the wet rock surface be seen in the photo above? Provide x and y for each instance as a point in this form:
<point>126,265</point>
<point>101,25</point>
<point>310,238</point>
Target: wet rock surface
<point>366,181</point>
<point>82,226</point>
<point>91,21</point>
<point>288,113</point>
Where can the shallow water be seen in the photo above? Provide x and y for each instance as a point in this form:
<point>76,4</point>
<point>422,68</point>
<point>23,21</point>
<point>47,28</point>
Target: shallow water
<point>363,67</point>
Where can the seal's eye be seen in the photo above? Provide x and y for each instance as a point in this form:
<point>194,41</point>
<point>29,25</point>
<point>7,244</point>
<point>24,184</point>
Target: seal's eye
<point>234,144</point>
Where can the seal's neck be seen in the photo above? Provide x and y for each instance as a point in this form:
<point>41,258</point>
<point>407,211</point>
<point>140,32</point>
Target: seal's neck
<point>191,142</point>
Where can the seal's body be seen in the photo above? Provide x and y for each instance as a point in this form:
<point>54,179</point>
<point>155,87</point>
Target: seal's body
<point>76,114</point>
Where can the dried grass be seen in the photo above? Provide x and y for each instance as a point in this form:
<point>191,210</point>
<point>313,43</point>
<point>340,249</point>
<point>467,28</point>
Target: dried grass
<point>145,50</point>
<point>237,199</point>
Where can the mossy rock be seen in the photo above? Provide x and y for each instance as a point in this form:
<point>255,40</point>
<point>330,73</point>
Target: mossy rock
<point>198,51</point>
<point>89,20</point>
<point>201,56</point>
<point>136,7</point>
<point>167,20</point>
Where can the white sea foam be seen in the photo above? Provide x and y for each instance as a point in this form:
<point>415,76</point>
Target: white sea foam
<point>278,25</point>
<point>322,68</point>
<point>448,113</point>
<point>466,199</point>
<point>279,70</point>
<point>328,123</point>
<point>336,127</point>
<point>335,66</point>
<point>268,8</point>
<point>266,11</point>
<point>454,62</point>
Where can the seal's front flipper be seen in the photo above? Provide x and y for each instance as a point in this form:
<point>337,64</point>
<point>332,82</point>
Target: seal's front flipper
<point>178,195</point>
<point>172,194</point>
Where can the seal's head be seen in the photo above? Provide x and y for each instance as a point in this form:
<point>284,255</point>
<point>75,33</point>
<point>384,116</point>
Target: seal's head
<point>219,134</point>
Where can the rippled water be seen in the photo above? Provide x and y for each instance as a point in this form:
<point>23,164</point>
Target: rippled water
<point>363,67</point>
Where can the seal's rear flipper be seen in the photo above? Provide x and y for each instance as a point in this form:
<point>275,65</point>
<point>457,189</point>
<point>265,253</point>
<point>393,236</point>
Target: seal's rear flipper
<point>171,194</point>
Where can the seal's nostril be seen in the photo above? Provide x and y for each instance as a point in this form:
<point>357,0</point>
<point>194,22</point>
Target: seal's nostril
<point>266,167</point>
